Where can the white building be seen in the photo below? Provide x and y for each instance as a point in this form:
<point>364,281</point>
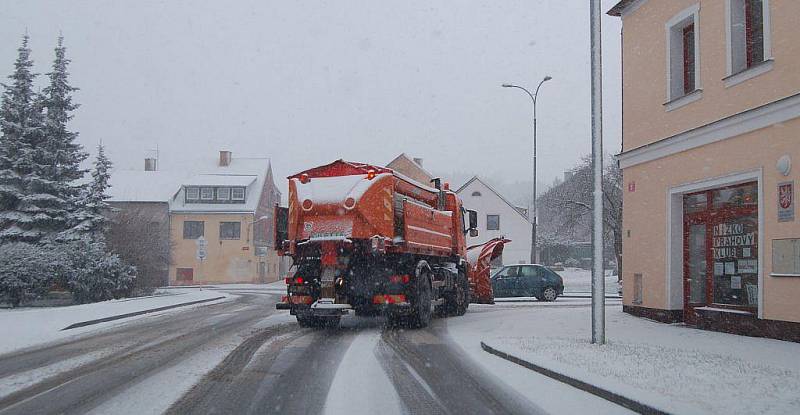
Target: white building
<point>497,217</point>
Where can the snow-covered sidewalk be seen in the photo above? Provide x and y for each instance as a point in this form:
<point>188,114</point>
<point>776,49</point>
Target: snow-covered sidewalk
<point>671,367</point>
<point>27,327</point>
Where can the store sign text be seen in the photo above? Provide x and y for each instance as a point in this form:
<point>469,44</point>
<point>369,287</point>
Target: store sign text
<point>731,241</point>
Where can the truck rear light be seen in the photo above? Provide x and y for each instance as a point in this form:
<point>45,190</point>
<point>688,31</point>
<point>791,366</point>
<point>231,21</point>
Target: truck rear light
<point>307,204</point>
<point>388,299</point>
<point>288,281</point>
<point>349,203</point>
<point>398,279</point>
<point>298,280</point>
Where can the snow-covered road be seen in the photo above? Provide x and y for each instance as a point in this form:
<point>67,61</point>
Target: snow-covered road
<point>242,356</point>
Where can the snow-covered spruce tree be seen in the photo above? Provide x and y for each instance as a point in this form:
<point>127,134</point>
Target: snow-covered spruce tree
<point>26,271</point>
<point>96,274</point>
<point>60,156</point>
<point>92,203</point>
<point>21,128</point>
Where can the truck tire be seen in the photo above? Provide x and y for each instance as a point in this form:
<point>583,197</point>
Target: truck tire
<point>420,315</point>
<point>463,296</point>
<point>457,300</point>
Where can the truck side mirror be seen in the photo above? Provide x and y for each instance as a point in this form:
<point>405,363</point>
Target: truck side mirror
<point>473,219</point>
<point>473,232</point>
<point>280,226</point>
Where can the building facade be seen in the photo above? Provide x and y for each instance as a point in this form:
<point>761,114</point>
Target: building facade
<point>215,216</point>
<point>711,126</point>
<point>497,218</point>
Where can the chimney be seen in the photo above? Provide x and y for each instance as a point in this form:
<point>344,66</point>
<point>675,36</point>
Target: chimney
<point>418,161</point>
<point>224,158</point>
<point>150,164</point>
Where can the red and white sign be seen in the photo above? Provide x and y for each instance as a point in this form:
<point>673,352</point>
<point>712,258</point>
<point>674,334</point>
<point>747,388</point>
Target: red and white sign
<point>786,202</point>
<point>631,186</point>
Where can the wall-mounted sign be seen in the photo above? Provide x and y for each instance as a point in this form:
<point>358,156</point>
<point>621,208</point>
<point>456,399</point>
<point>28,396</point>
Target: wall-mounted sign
<point>632,186</point>
<point>786,258</point>
<point>786,202</point>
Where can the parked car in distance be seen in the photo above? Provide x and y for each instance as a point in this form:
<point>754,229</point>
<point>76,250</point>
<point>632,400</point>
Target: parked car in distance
<point>527,280</point>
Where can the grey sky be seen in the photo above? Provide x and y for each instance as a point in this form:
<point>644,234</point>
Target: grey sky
<point>312,81</point>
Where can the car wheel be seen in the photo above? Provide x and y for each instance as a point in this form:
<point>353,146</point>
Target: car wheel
<point>549,294</point>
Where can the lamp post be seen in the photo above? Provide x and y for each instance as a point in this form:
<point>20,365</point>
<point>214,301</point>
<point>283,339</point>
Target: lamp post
<point>532,208</point>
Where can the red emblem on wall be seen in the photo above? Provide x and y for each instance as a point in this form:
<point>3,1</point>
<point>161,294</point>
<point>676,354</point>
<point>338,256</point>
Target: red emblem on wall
<point>632,186</point>
<point>785,195</point>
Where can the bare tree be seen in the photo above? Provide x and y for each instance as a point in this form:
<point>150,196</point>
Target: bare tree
<point>142,240</point>
<point>565,208</point>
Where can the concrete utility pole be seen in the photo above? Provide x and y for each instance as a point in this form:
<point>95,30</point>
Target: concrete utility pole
<point>532,207</point>
<point>598,274</point>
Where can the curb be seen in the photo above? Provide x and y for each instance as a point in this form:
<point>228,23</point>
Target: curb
<point>136,313</point>
<point>618,399</point>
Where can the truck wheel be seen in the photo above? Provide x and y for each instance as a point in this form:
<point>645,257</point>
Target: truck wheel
<point>463,296</point>
<point>457,300</point>
<point>421,314</point>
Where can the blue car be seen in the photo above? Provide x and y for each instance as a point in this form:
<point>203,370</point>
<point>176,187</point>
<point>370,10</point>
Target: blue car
<point>526,280</point>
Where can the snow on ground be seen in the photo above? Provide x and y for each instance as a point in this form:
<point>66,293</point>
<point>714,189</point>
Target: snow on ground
<point>27,327</point>
<point>580,280</point>
<point>155,394</point>
<point>672,367</point>
<point>360,385</point>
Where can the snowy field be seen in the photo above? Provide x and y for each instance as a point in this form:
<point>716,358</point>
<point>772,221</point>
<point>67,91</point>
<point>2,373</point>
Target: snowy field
<point>27,327</point>
<point>671,367</point>
<point>578,280</point>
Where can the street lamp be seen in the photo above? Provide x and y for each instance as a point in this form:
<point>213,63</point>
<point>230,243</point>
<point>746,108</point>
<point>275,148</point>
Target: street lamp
<point>532,209</point>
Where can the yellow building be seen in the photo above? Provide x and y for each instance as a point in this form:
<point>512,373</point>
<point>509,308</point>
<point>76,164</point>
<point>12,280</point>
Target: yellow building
<point>711,121</point>
<point>221,224</point>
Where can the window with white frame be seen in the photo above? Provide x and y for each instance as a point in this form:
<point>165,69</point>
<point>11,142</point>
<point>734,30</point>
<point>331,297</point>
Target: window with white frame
<point>492,222</point>
<point>748,34</point>
<point>683,53</point>
<point>237,193</point>
<point>207,193</point>
<point>192,193</point>
<point>223,193</point>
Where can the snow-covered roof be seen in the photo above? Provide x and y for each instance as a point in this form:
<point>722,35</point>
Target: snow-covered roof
<point>220,180</point>
<point>168,185</point>
<point>144,186</point>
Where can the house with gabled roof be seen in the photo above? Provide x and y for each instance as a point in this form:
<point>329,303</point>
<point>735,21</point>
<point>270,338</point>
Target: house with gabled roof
<point>412,168</point>
<point>220,214</point>
<point>497,217</point>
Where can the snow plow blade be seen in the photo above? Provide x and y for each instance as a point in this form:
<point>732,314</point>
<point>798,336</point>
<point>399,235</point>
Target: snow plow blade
<point>480,258</point>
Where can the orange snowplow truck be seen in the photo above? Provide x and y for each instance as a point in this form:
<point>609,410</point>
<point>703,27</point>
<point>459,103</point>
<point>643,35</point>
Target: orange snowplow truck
<point>367,238</point>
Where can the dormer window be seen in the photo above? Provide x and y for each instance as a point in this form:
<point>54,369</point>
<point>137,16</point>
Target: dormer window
<point>223,193</point>
<point>192,193</point>
<point>237,193</point>
<point>215,194</point>
<point>476,194</point>
<point>207,193</point>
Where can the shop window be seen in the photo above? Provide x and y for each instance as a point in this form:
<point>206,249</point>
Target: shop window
<point>734,249</point>
<point>697,202</point>
<point>735,196</point>
<point>193,229</point>
<point>230,230</point>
